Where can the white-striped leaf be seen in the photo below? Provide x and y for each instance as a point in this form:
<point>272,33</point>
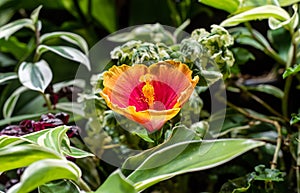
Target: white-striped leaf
<point>68,53</point>
<point>35,76</point>
<point>67,36</point>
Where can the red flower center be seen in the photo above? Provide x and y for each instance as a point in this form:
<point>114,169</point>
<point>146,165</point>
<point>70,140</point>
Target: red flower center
<point>154,95</point>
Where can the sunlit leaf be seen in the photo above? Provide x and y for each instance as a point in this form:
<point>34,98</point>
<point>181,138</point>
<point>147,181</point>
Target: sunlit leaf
<point>67,36</point>
<point>116,182</point>
<point>13,157</point>
<point>11,101</point>
<point>68,53</point>
<point>179,134</point>
<point>295,118</point>
<point>35,76</point>
<point>186,157</point>
<point>284,3</point>
<point>258,13</point>
<point>53,138</point>
<point>291,70</point>
<point>226,5</point>
<point>35,14</point>
<point>291,23</point>
<point>7,30</point>
<point>7,76</point>
<point>77,153</point>
<point>6,141</point>
<point>44,171</point>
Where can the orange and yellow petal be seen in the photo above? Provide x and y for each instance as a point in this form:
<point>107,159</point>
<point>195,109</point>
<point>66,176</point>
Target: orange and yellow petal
<point>148,95</point>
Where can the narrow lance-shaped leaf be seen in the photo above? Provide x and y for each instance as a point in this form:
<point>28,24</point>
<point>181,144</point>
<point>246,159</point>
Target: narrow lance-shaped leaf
<point>69,37</point>
<point>7,30</point>
<point>116,182</point>
<point>11,102</point>
<point>226,5</point>
<point>284,3</point>
<point>190,156</point>
<point>53,138</point>
<point>68,53</point>
<point>35,76</point>
<point>268,89</point>
<point>7,76</point>
<point>258,13</point>
<point>23,155</point>
<point>35,14</point>
<point>44,171</point>
<point>290,24</point>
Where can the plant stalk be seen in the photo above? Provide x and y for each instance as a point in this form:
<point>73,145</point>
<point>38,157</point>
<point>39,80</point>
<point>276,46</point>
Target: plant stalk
<point>83,185</point>
<point>298,164</point>
<point>273,122</point>
<point>285,99</point>
<point>47,100</point>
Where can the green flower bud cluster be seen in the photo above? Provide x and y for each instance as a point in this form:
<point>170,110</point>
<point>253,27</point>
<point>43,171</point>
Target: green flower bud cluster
<point>216,44</point>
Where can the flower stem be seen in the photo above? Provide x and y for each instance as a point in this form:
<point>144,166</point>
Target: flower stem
<point>265,105</point>
<point>298,164</point>
<point>268,50</point>
<point>285,99</point>
<point>262,119</point>
<point>47,100</point>
<point>83,185</point>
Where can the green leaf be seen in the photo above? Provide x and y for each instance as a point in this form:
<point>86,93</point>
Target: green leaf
<point>72,107</point>
<point>35,76</point>
<point>116,182</point>
<point>35,14</point>
<point>11,102</point>
<point>13,157</point>
<point>242,55</point>
<point>295,118</point>
<point>54,138</point>
<point>266,174</point>
<point>284,3</point>
<point>69,37</point>
<point>78,82</point>
<point>77,153</point>
<point>7,30</point>
<point>258,13</point>
<point>66,52</point>
<point>292,23</point>
<point>179,134</point>
<point>291,70</point>
<point>7,76</point>
<point>61,186</point>
<point>186,157</point>
<point>104,12</point>
<point>15,48</point>
<point>6,141</point>
<point>243,36</point>
<point>226,5</point>
<point>268,89</point>
<point>44,171</point>
<point>20,118</point>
